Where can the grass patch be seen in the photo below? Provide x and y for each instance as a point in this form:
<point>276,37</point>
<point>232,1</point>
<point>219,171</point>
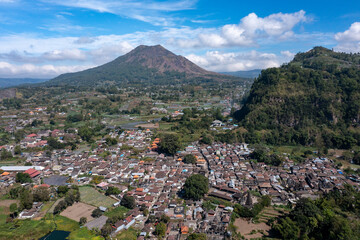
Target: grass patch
<point>129,234</point>
<point>65,224</point>
<point>3,215</point>
<point>26,229</point>
<point>84,234</point>
<point>90,196</point>
<point>47,206</point>
<point>219,201</point>
<point>118,211</point>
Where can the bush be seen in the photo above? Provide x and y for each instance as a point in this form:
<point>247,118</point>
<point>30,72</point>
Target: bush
<point>82,220</point>
<point>96,213</point>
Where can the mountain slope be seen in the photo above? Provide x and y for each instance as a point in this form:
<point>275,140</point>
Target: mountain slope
<point>143,65</point>
<point>313,100</point>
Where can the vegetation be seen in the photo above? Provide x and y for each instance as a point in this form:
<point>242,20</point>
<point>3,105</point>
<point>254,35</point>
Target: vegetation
<point>96,213</point>
<point>170,144</point>
<point>197,236</point>
<point>196,186</point>
<point>128,201</point>
<point>313,100</point>
<point>91,196</point>
<point>72,196</point>
<point>112,191</point>
<point>190,159</point>
<point>330,217</point>
<point>23,178</point>
<point>160,229</point>
<point>246,212</point>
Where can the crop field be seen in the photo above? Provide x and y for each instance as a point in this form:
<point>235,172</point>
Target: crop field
<point>79,210</point>
<point>90,196</point>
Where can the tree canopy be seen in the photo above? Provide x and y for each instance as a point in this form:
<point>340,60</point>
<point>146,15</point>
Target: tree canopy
<point>170,144</point>
<point>196,186</point>
<point>128,201</point>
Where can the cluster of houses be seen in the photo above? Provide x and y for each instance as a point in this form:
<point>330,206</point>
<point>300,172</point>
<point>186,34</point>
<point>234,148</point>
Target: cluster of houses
<point>156,180</point>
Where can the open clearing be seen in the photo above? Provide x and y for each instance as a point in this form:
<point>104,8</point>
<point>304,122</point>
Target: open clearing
<point>90,196</point>
<point>245,227</point>
<point>148,125</point>
<point>79,210</point>
<point>8,202</point>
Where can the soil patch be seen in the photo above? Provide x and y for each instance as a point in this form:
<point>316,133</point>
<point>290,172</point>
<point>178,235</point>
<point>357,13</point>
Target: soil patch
<point>79,210</point>
<point>245,227</point>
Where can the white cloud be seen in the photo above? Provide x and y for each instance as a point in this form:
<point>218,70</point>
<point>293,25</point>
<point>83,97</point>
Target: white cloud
<point>287,54</point>
<point>23,49</point>
<point>251,28</point>
<point>150,12</point>
<point>67,54</point>
<point>35,71</point>
<point>349,40</point>
<point>238,61</point>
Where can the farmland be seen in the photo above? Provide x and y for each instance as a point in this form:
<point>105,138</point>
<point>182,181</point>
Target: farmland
<point>90,196</point>
<point>79,210</point>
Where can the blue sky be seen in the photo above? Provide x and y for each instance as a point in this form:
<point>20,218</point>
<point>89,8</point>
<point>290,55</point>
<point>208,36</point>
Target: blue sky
<point>44,38</point>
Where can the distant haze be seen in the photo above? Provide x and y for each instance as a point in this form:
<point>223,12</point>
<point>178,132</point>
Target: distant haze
<point>12,82</point>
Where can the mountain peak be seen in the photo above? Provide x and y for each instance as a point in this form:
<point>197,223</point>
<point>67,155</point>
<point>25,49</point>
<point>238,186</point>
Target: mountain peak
<point>159,58</point>
<point>144,64</point>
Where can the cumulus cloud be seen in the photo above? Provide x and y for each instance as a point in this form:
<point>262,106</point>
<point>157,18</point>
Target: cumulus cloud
<point>349,40</point>
<point>250,29</point>
<point>238,61</point>
<point>35,71</point>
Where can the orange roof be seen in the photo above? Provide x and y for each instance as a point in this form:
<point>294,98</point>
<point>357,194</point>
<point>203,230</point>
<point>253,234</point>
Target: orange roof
<point>179,159</point>
<point>5,173</point>
<point>139,190</point>
<point>136,176</point>
<point>184,230</point>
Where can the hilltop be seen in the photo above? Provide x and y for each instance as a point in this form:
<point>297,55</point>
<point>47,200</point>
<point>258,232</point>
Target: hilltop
<point>142,65</point>
<point>313,100</point>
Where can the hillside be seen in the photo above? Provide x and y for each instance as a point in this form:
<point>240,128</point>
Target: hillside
<point>143,65</point>
<point>313,100</point>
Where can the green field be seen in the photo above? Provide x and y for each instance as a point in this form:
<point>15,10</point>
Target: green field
<point>90,196</point>
<point>118,211</point>
<point>129,234</point>
<point>84,234</point>
<point>32,229</point>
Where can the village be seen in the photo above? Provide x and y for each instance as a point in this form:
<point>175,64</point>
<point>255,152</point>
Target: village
<point>155,180</point>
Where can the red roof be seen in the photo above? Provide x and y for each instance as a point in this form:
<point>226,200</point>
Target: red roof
<point>128,219</point>
<point>32,172</point>
<point>31,135</point>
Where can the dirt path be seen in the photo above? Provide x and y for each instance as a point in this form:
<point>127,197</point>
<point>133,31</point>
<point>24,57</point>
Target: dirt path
<point>51,210</point>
